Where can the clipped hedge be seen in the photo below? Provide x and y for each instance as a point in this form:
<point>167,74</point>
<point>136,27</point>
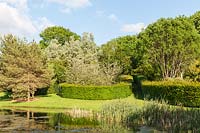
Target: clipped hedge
<point>125,78</point>
<point>176,93</point>
<point>95,92</point>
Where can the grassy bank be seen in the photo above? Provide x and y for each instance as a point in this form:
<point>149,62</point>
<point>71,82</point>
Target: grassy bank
<point>56,102</point>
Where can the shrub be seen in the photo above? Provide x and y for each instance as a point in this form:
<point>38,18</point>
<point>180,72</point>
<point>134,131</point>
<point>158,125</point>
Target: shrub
<point>53,88</point>
<point>95,92</point>
<point>175,92</point>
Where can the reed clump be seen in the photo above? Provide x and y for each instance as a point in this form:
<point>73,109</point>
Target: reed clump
<point>167,118</point>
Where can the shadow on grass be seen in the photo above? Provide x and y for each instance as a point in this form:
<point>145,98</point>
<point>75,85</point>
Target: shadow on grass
<point>43,96</point>
<point>5,98</point>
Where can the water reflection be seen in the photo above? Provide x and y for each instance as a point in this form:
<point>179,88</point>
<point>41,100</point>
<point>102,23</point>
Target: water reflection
<point>19,120</point>
<point>69,121</point>
<point>65,121</point>
<point>11,120</point>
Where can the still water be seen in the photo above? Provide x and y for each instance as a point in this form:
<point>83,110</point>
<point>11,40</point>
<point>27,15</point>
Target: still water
<point>27,121</point>
<point>71,121</point>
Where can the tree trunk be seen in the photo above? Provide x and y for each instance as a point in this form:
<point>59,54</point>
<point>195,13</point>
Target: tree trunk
<point>28,89</point>
<point>33,94</point>
<point>181,75</point>
<point>28,97</point>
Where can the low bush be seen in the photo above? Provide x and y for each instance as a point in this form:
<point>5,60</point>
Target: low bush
<point>174,92</point>
<point>95,92</point>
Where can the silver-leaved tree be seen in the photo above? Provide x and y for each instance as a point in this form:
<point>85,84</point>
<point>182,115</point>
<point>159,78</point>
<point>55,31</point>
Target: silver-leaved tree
<point>80,60</point>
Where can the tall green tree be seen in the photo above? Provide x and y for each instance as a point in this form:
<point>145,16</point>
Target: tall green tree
<point>120,50</point>
<point>171,45</point>
<point>23,67</point>
<point>59,33</point>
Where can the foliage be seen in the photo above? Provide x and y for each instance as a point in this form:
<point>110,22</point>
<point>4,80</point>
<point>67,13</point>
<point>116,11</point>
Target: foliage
<point>95,92</point>
<point>120,50</point>
<point>23,67</point>
<point>175,92</point>
<point>140,61</point>
<point>167,118</point>
<point>56,32</point>
<point>54,52</point>
<point>194,70</point>
<point>195,18</point>
<point>171,45</point>
<point>82,62</point>
<point>77,62</point>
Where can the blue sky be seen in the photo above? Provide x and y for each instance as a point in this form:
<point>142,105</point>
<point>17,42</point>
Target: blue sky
<point>106,19</point>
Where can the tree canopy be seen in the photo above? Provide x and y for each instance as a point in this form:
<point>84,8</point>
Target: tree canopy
<point>196,20</point>
<point>171,45</point>
<point>79,58</point>
<point>120,50</point>
<point>59,33</point>
<point>23,67</point>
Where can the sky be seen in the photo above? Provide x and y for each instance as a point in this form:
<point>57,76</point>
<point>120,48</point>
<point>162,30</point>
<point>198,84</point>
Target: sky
<point>106,19</point>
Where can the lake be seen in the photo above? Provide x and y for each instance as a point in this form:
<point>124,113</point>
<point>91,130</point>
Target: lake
<point>12,120</point>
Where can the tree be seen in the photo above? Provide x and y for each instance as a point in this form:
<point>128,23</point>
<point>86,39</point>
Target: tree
<point>171,45</point>
<point>23,67</point>
<point>55,53</point>
<point>120,50</point>
<point>59,33</point>
<point>83,65</point>
<point>196,20</point>
<point>79,58</point>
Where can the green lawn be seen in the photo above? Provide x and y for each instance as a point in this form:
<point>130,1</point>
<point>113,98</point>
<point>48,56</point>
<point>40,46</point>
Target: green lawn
<point>55,102</point>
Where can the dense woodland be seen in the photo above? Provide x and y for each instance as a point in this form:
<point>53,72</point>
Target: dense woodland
<point>165,50</point>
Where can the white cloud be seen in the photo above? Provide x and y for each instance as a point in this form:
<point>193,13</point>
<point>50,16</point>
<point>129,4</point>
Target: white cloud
<point>103,14</point>
<point>20,5</point>
<point>113,17</point>
<point>69,5</point>
<point>135,28</point>
<point>13,21</point>
<point>42,23</point>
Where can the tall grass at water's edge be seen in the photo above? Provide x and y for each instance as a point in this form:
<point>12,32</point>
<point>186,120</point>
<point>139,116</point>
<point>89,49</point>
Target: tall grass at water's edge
<point>160,116</point>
